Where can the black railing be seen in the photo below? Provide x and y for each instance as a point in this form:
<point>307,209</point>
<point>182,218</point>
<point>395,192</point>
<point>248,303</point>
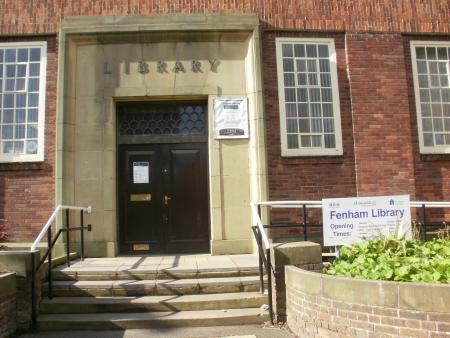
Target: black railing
<point>51,241</point>
<point>424,227</point>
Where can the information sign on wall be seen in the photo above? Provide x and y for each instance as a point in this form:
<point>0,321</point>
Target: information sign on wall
<point>349,220</point>
<point>231,117</point>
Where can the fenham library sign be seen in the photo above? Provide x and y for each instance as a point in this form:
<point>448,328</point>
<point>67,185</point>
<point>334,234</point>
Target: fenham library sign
<point>349,220</point>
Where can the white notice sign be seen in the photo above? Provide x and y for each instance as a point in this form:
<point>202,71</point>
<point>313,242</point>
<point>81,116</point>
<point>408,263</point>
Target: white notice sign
<point>349,220</point>
<point>231,117</point>
<point>140,172</point>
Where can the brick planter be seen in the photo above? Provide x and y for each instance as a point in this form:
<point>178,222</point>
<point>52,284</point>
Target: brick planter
<point>328,306</point>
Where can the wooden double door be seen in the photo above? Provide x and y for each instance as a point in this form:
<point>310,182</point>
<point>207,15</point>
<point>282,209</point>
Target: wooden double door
<point>163,198</point>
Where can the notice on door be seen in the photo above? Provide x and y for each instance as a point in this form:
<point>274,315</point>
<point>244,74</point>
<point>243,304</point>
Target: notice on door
<point>140,172</point>
<point>350,220</point>
<point>231,117</point>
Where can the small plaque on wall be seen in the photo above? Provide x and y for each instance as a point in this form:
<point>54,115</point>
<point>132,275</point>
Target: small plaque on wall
<point>231,117</point>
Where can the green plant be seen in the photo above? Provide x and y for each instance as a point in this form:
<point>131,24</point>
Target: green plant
<point>389,258</point>
<point>4,235</point>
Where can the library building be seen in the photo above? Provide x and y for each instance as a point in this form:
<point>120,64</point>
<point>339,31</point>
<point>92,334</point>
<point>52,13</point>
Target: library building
<point>168,119</point>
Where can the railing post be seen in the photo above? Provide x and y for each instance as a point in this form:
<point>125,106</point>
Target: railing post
<point>305,229</point>
<point>67,239</point>
<point>269,285</point>
<point>423,221</point>
<point>49,279</point>
<point>261,271</point>
<point>33,292</point>
<point>82,235</point>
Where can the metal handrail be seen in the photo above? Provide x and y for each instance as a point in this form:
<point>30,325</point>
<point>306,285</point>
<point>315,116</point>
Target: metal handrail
<point>52,218</point>
<point>47,230</point>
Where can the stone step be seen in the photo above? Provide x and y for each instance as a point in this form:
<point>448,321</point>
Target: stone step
<point>92,273</point>
<point>215,301</point>
<point>153,287</point>
<point>110,321</point>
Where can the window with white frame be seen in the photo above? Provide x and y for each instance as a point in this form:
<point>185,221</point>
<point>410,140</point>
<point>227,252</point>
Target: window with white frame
<point>309,97</point>
<point>431,65</point>
<point>22,96</point>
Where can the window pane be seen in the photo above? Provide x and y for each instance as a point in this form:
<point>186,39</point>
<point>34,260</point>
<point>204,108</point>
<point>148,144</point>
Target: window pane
<point>22,55</point>
<point>312,79</point>
<point>8,116</point>
<point>288,65</point>
<point>422,67</point>
<point>35,54</point>
<point>323,51</point>
<point>316,141</point>
<point>302,94</point>
<point>427,125</point>
<point>34,69</point>
<point>289,95</point>
<point>324,65</point>
<point>19,131</point>
<point>311,51</point>
<point>299,50</point>
<point>446,110</point>
<point>442,53</point>
<point>32,147</point>
<point>32,115</point>
<point>291,110</point>
<point>10,55</point>
<point>316,110</point>
<point>289,80</point>
<point>291,126</point>
<point>303,125</point>
<point>424,95</point>
<point>301,66</point>
<point>301,78</point>
<point>428,139</point>
<point>32,131</point>
<point>330,141</point>
<point>286,50</point>
<point>327,110</point>
<point>303,110</point>
<point>292,141</point>
<point>18,147</point>
<point>431,53</point>
<point>7,132</point>
<point>328,125</point>
<point>325,80</point>
<point>438,125</point>
<point>420,52</point>
<point>316,125</point>
<point>306,141</point>
<point>33,85</point>
<point>20,115</point>
<point>8,147</point>
<point>423,81</point>
<point>311,65</point>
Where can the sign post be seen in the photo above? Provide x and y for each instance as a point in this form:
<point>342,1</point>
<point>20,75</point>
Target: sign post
<point>350,220</point>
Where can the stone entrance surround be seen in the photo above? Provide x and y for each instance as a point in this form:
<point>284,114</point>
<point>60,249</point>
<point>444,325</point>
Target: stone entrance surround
<point>104,60</point>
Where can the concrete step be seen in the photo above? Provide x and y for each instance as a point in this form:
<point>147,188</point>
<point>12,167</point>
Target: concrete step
<point>123,288</point>
<point>215,301</point>
<point>92,273</point>
<point>109,321</point>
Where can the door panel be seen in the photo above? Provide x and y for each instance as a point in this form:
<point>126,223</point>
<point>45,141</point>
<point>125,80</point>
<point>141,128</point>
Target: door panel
<point>168,212</point>
<point>188,204</point>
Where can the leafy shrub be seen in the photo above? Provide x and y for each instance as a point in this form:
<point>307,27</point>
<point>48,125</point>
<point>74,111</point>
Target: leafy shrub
<point>4,236</point>
<point>394,259</point>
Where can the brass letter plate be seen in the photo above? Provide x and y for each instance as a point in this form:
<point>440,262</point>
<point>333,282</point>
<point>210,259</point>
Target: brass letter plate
<point>141,247</point>
<point>140,197</point>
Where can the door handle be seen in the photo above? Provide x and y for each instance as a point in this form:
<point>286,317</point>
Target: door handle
<point>167,199</point>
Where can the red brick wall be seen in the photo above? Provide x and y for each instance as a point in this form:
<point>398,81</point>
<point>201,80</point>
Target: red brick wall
<point>27,189</point>
<point>36,16</point>
<point>306,178</point>
<point>381,114</point>
<point>317,316</point>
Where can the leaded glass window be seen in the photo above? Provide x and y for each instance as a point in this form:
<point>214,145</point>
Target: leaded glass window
<point>162,119</point>
<point>431,63</point>
<point>309,98</point>
<point>22,95</point>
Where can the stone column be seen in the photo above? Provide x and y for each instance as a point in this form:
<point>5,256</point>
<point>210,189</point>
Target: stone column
<point>305,255</point>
